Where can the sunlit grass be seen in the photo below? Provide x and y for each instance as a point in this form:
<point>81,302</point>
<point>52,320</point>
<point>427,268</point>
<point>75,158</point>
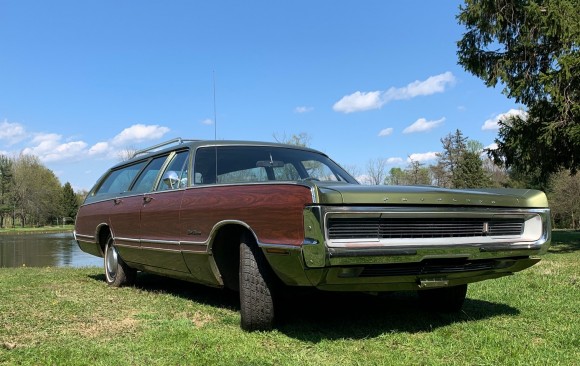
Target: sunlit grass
<point>70,316</point>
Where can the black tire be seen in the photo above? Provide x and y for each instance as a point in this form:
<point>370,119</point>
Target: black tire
<point>447,299</point>
<point>256,287</point>
<point>117,272</point>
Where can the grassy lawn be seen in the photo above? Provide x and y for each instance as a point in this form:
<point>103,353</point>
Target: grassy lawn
<point>37,230</point>
<point>69,316</point>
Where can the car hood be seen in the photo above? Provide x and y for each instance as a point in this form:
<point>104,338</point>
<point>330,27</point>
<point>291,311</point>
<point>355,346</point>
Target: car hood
<point>353,194</point>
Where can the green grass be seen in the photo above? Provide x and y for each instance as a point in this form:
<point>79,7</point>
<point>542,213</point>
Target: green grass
<point>37,230</point>
<point>69,316</point>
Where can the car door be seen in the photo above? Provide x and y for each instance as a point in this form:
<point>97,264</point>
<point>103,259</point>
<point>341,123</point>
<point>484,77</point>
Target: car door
<point>124,209</point>
<point>160,215</point>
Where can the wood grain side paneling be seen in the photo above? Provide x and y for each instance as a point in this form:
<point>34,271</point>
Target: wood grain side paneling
<point>273,211</point>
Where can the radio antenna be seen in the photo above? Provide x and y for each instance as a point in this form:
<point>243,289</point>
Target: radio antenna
<point>214,110</point>
<point>215,128</point>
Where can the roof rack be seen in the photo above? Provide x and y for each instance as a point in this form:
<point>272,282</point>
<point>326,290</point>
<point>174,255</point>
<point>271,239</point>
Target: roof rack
<point>178,140</point>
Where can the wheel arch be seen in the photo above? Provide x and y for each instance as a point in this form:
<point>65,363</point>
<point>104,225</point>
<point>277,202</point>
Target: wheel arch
<point>225,248</point>
<point>103,232</point>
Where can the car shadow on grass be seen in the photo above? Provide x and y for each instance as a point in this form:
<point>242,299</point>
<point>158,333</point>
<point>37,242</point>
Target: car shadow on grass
<point>315,316</point>
<point>205,295</point>
<point>359,316</point>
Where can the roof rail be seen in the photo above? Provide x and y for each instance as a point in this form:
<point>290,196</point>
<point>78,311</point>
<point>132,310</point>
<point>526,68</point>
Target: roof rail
<point>178,140</point>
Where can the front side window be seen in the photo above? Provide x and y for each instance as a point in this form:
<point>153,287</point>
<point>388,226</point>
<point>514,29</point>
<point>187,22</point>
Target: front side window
<point>175,175</point>
<point>246,164</point>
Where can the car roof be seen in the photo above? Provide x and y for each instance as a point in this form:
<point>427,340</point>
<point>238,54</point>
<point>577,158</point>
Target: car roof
<point>179,143</point>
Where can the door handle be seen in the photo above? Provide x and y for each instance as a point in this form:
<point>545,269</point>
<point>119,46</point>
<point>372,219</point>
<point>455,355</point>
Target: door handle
<point>147,199</point>
<point>117,201</point>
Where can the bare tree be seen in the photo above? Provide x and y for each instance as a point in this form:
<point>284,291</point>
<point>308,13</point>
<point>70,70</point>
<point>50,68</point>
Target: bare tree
<point>352,169</point>
<point>302,139</point>
<point>377,171</point>
<point>565,198</point>
<point>127,153</point>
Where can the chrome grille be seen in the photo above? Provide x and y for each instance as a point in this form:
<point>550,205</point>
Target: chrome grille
<point>413,228</point>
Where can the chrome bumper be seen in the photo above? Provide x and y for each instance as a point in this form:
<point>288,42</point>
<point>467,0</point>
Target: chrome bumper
<point>408,264</point>
<point>320,251</point>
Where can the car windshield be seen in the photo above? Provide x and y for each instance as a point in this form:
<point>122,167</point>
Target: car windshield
<point>243,164</point>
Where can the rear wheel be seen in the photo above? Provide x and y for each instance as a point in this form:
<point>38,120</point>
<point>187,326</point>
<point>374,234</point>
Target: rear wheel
<point>256,285</point>
<point>446,299</point>
<point>117,272</point>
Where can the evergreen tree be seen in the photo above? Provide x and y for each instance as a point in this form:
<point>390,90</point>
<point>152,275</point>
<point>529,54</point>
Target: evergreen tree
<point>454,146</point>
<point>532,49</point>
<point>69,202</point>
<point>470,173</point>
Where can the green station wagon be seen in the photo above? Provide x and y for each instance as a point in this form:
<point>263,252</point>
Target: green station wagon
<point>261,218</point>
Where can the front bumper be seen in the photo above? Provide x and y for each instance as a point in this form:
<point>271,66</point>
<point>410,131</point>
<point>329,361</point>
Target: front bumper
<point>407,264</point>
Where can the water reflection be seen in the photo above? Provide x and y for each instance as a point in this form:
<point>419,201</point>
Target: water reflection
<point>43,250</point>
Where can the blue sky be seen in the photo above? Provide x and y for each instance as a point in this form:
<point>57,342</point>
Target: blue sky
<point>82,80</point>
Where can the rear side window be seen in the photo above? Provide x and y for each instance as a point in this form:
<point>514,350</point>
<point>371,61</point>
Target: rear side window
<point>118,181</point>
<point>147,179</point>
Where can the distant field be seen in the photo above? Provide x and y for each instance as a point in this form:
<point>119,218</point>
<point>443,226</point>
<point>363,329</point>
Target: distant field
<point>66,316</point>
<point>37,230</point>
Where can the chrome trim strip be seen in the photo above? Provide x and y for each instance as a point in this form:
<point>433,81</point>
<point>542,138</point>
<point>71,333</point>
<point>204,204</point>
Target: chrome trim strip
<point>131,240</point>
<point>279,246</point>
<point>127,246</point>
<point>77,236</point>
<point>92,241</point>
<point>193,243</point>
<point>161,249</point>
<point>153,241</point>
<point>365,252</point>
<point>193,248</point>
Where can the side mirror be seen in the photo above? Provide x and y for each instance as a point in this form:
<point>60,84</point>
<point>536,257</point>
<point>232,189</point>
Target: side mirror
<point>171,179</point>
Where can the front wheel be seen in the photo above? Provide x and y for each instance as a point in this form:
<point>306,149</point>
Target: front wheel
<point>446,299</point>
<point>117,272</point>
<point>256,285</point>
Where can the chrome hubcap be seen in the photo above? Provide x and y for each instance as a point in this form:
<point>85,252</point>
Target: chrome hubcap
<point>111,262</point>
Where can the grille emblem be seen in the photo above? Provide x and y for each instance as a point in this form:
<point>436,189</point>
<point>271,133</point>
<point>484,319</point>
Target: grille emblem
<point>485,229</point>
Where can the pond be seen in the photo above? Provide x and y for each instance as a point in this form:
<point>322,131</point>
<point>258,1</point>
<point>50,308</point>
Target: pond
<point>44,250</point>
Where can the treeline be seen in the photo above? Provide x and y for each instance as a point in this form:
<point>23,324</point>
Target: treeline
<point>463,163</point>
<point>31,194</point>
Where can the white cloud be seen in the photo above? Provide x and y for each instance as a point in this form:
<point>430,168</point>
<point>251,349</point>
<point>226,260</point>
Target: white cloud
<point>100,148</point>
<point>420,157</point>
<point>207,121</point>
<point>139,133</point>
<point>303,109</point>
<point>491,147</point>
<point>363,101</point>
<point>493,123</point>
<point>12,132</point>
<point>49,148</point>
<point>364,179</point>
<point>422,125</point>
<point>386,132</point>
<point>394,161</point>
<point>358,101</point>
